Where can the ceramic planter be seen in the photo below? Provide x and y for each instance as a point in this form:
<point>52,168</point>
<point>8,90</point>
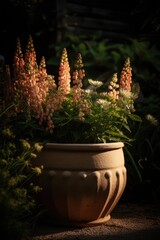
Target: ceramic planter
<point>82,183</point>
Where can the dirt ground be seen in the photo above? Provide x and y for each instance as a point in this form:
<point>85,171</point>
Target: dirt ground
<point>128,222</point>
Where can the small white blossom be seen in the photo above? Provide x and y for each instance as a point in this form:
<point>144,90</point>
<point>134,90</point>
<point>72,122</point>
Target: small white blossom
<point>125,93</point>
<point>103,103</point>
<point>152,119</point>
<point>95,83</point>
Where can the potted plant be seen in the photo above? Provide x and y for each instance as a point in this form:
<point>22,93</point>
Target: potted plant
<point>83,124</point>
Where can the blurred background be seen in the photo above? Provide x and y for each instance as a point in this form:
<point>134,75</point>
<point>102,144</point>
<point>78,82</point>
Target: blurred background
<point>77,24</point>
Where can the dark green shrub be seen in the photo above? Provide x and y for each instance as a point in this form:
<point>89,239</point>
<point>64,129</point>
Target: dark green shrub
<point>18,210</point>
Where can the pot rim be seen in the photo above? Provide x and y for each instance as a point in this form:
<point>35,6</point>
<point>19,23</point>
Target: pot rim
<point>84,146</point>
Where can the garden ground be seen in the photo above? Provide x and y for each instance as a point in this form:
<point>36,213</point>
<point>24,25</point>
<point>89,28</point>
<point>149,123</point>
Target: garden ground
<point>128,222</point>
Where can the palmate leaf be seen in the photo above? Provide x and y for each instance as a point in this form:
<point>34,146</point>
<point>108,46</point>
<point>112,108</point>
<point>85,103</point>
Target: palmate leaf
<point>126,126</point>
<point>118,135</point>
<point>135,117</point>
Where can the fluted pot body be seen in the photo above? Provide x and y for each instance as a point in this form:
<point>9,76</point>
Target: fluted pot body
<point>82,183</point>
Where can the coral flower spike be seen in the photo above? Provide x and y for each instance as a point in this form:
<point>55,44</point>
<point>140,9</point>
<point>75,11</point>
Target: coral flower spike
<point>78,75</point>
<point>64,74</point>
<point>126,76</point>
<point>18,61</point>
